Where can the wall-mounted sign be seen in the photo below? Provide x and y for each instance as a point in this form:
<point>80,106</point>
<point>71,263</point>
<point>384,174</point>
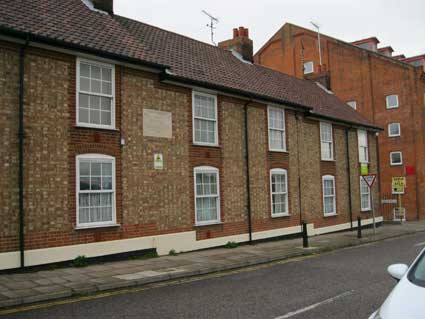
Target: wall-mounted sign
<point>157,123</point>
<point>364,169</point>
<point>369,179</point>
<point>158,161</point>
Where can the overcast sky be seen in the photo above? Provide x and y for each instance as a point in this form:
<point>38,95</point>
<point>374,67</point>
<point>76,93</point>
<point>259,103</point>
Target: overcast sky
<point>398,23</point>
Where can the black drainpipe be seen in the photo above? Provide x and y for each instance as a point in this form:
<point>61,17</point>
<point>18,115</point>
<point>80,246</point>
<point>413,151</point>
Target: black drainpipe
<point>21,153</point>
<point>349,178</point>
<point>248,183</point>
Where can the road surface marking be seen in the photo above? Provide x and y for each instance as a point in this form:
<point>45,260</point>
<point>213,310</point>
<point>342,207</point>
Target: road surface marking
<point>311,307</point>
<point>420,244</point>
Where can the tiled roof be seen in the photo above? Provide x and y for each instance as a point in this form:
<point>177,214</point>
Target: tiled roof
<point>72,22</point>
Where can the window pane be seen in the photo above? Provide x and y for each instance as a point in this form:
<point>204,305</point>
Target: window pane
<point>95,183</point>
<point>95,86</point>
<point>329,205</point>
<point>106,88</point>
<point>105,103</point>
<point>85,70</point>
<point>392,101</point>
<point>205,107</point>
<point>84,183</point>
<point>205,131</point>
<point>95,169</point>
<point>394,129</point>
<point>95,72</point>
<point>83,215</point>
<point>84,168</point>
<point>83,115</point>
<point>277,139</point>
<point>106,74</point>
<point>328,187</point>
<point>85,84</point>
<point>105,118</point>
<point>94,102</point>
<point>95,117</point>
<point>107,183</point>
<point>276,119</point>
<point>106,169</point>
<point>396,158</point>
<point>106,200</point>
<point>206,209</point>
<point>83,100</point>
<point>84,200</point>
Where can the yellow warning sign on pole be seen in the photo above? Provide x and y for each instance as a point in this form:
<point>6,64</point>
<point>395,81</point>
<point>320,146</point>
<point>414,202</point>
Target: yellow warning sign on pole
<point>398,184</point>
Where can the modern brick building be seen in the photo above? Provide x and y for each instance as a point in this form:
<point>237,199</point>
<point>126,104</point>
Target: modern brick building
<point>118,136</point>
<point>388,90</point>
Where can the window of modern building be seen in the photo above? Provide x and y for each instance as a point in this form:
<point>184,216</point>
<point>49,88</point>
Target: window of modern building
<point>276,124</point>
<point>392,101</point>
<point>308,67</point>
<point>352,104</point>
<point>329,198</point>
<point>394,129</point>
<point>365,202</point>
<point>95,94</point>
<point>326,140</point>
<point>279,192</point>
<point>207,195</point>
<point>363,146</point>
<point>95,190</point>
<point>396,158</point>
<point>204,110</point>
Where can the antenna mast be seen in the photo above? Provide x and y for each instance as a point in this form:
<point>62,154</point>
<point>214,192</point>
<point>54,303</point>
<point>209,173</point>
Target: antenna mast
<point>318,40</point>
<point>211,25</point>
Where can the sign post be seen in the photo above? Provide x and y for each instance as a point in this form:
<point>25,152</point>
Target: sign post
<point>370,180</point>
<point>398,185</point>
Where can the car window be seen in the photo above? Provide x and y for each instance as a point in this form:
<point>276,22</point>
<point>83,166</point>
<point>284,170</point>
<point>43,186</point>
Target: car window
<point>417,274</point>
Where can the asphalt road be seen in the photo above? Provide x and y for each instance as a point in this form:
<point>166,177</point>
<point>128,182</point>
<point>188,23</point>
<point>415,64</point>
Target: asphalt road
<point>349,283</point>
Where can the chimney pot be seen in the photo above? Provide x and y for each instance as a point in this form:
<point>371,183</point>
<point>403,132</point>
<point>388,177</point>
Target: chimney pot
<point>240,43</point>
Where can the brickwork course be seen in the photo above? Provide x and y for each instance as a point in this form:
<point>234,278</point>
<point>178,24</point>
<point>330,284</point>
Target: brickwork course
<point>366,77</point>
<point>156,208</point>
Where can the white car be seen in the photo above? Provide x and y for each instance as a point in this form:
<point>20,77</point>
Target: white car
<point>407,300</point>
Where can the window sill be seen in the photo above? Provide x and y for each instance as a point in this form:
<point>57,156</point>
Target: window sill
<point>401,164</point>
<point>328,160</point>
<point>96,128</point>
<point>369,210</point>
<point>278,151</point>
<point>394,136</point>
<point>97,226</point>
<point>209,224</point>
<point>330,215</point>
<point>206,145</point>
<point>280,215</point>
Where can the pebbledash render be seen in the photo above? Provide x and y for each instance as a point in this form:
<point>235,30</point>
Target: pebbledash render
<point>138,138</point>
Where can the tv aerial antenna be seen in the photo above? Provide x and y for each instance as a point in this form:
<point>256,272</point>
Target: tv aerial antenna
<point>211,25</point>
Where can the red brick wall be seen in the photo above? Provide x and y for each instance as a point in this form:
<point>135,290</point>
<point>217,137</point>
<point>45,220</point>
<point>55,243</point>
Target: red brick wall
<point>367,78</point>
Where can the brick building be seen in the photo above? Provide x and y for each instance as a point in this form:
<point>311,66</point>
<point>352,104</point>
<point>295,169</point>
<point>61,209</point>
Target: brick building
<point>388,90</point>
<point>118,136</point>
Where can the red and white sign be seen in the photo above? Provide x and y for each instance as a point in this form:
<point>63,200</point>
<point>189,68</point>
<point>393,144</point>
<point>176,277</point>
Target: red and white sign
<point>369,179</point>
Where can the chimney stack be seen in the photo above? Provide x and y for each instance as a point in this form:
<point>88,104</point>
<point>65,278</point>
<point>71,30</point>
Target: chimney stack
<point>104,5</point>
<point>241,43</point>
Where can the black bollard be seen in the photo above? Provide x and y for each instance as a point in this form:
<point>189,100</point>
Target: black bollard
<point>359,227</point>
<point>305,235</point>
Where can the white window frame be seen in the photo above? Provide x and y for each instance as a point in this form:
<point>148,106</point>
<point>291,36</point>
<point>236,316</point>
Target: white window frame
<point>112,96</point>
<point>369,207</point>
<point>331,142</point>
<point>362,147</point>
<point>389,130</point>
<point>332,178</point>
<point>352,104</point>
<point>201,170</point>
<point>276,129</point>
<point>308,63</point>
<point>279,171</point>
<point>100,157</point>
<point>202,118</point>
<point>391,106</point>
<point>391,158</point>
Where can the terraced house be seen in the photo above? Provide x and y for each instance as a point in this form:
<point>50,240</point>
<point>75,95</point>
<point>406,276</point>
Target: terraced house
<point>118,136</point>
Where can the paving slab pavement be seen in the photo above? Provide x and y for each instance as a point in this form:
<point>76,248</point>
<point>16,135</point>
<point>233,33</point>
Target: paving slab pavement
<point>24,288</point>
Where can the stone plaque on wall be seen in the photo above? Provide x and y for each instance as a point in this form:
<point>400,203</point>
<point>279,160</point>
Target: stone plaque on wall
<point>157,123</point>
